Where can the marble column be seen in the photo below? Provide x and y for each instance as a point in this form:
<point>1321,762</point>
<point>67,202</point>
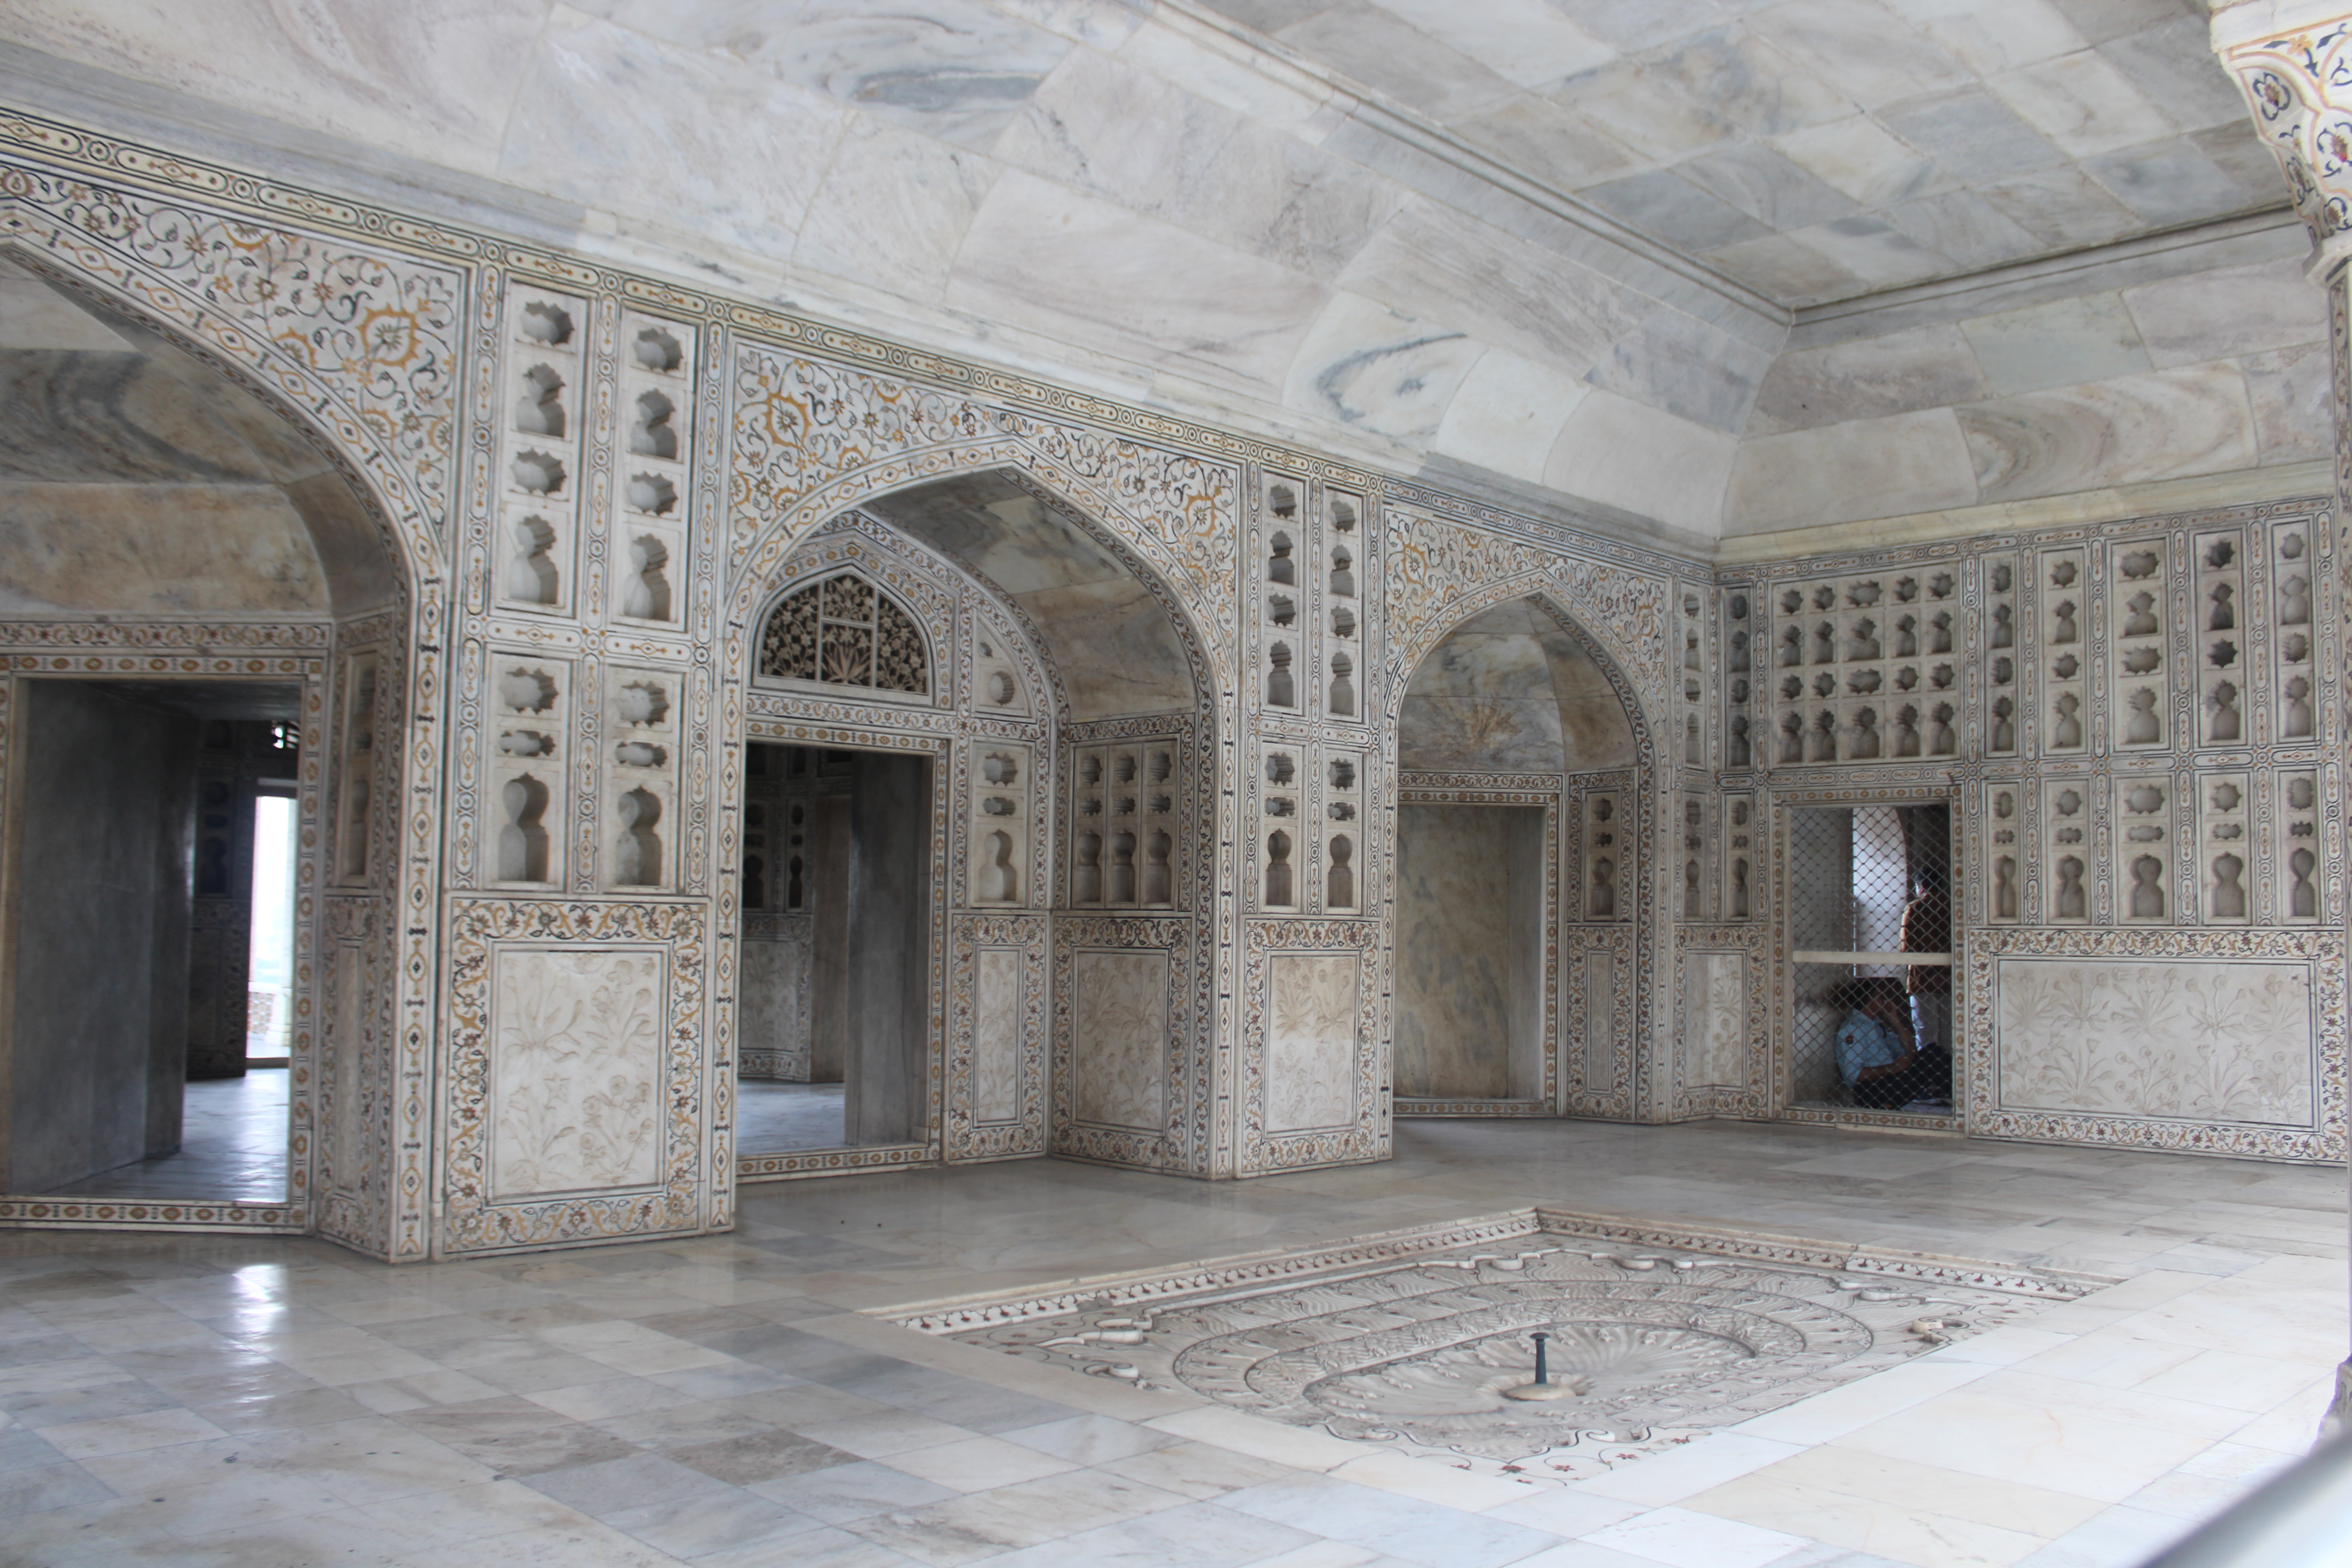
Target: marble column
<point>2294,60</point>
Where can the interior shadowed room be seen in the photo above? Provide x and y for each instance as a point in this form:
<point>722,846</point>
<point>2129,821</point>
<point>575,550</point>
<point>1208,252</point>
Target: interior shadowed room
<point>1272,783</point>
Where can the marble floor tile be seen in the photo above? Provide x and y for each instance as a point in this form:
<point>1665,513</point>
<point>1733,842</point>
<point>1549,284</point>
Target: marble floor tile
<point>1418,1532</point>
<point>1089,1439</point>
<point>979,1464</point>
<point>763,1457</point>
<point>858,1490</point>
<point>718,1400</point>
<point>706,1523</point>
<point>1688,1539</point>
<point>614,1486</point>
<point>1679,1473</point>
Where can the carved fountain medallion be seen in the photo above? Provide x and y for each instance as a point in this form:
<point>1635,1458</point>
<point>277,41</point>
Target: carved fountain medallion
<point>1412,1342</point>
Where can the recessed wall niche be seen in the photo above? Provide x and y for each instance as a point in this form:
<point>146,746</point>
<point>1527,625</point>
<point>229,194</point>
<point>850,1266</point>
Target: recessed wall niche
<point>640,845</point>
<point>2140,710</point>
<point>1864,667</point>
<point>537,530</point>
<point>530,744</point>
<point>1125,818</point>
<point>651,522</point>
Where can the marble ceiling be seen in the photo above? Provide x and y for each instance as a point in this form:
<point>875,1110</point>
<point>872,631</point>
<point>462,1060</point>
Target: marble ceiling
<point>1816,150</point>
<point>135,481</point>
<point>1555,247</point>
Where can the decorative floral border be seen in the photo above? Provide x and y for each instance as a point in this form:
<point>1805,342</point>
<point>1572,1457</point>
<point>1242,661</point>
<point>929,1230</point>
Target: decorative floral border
<point>1029,935</point>
<point>1370,1138</point>
<point>477,1221</point>
<point>961,1314</point>
<point>2324,950</point>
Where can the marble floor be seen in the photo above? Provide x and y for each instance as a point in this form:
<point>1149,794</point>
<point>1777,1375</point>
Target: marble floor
<point>784,1118</point>
<point>197,1400</point>
<point>232,1145</point>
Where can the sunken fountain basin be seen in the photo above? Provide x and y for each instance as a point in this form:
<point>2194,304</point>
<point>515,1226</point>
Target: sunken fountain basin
<point>1410,1339</point>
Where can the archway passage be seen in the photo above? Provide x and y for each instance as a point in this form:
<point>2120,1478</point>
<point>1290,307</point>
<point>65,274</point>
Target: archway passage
<point>1046,682</point>
<point>1501,726</point>
<point>162,981</point>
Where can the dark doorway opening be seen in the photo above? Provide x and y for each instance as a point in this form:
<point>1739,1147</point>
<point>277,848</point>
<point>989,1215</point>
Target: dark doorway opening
<point>151,970</point>
<point>836,962</point>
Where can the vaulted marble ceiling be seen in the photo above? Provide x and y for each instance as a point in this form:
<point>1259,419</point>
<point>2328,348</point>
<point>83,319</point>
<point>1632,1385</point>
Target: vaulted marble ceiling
<point>1718,266</point>
<point>1815,150</point>
<point>135,481</point>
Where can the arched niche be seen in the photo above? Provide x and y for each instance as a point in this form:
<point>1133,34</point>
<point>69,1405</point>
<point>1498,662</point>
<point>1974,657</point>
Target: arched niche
<point>1067,729</point>
<point>156,499</point>
<point>1514,733</point>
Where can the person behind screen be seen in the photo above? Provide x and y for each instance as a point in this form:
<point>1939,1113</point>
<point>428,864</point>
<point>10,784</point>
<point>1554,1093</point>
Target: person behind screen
<point>1876,1056</point>
<point>1927,927</point>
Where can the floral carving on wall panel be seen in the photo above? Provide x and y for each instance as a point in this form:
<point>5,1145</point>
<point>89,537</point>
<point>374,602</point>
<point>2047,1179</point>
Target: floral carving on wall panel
<point>2217,1042</point>
<point>1725,985</point>
<point>574,1065</point>
<point>1306,997</point>
<point>997,1041</point>
<point>575,1052</point>
<point>1125,1051</point>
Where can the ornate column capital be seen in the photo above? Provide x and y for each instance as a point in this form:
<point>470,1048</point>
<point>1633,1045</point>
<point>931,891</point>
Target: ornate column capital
<point>2292,58</point>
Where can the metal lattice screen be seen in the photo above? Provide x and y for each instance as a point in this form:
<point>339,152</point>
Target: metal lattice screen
<point>1853,873</point>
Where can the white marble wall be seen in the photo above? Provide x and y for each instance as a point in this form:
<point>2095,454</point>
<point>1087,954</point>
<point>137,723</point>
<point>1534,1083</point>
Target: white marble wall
<point>1120,1005</point>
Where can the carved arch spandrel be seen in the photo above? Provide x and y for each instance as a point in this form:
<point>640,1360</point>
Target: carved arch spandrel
<point>1442,574</point>
<point>812,440</point>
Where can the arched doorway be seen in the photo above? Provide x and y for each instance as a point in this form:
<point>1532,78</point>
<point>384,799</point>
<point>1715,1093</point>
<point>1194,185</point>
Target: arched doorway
<point>969,883</point>
<point>194,903</point>
<point>1516,826</point>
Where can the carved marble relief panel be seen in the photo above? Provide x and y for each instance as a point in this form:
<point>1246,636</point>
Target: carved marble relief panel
<point>1597,1003</point>
<point>1119,1045</point>
<point>2213,1043</point>
<point>574,1068</point>
<point>1723,1063</point>
<point>1313,1089</point>
<point>576,1056</point>
<point>1311,1044</point>
<point>998,1047</point>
